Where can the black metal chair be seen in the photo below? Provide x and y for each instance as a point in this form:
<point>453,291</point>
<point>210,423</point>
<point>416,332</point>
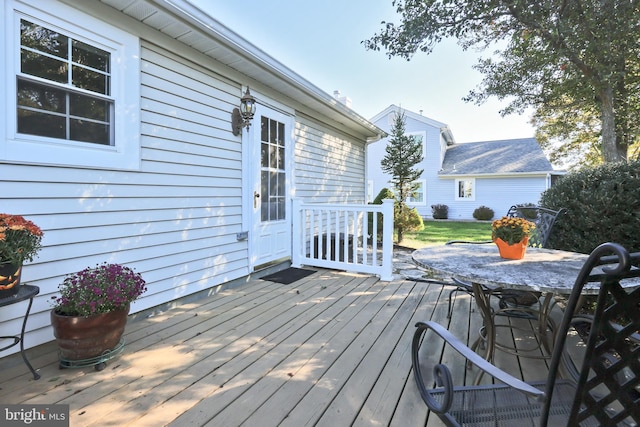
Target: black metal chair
<point>516,303</point>
<point>603,391</point>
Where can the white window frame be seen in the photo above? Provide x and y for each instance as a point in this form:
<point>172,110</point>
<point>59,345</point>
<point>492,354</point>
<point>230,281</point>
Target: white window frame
<point>471,182</point>
<point>423,136</point>
<point>124,49</point>
<point>422,189</point>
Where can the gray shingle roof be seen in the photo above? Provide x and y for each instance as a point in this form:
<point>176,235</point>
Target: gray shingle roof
<point>495,157</point>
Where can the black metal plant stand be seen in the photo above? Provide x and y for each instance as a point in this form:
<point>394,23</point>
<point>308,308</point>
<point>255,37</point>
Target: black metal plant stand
<point>26,292</point>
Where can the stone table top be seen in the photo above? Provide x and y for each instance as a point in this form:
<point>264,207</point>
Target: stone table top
<point>545,270</point>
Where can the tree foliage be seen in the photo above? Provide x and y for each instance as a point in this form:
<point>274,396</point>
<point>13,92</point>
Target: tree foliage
<point>403,153</point>
<point>555,55</point>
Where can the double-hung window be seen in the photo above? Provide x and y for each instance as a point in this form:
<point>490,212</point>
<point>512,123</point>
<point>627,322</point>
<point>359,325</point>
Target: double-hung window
<point>418,196</point>
<point>465,189</point>
<point>72,89</point>
<point>64,87</point>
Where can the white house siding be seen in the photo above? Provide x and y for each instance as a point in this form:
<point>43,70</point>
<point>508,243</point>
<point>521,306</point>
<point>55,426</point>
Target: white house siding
<point>329,165</point>
<point>175,220</point>
<point>496,193</point>
<point>174,217</point>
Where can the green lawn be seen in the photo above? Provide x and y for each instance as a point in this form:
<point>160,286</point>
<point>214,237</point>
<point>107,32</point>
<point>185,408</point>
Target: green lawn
<point>438,232</point>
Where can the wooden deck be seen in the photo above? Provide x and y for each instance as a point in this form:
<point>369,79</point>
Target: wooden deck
<point>332,349</point>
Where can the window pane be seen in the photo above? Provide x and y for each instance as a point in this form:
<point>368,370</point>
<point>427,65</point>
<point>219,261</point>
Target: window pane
<point>280,164</point>
<point>273,131</point>
<point>281,208</point>
<point>90,56</point>
<point>273,185</point>
<point>281,134</point>
<point>264,129</point>
<point>90,80</point>
<point>281,184</point>
<point>48,68</point>
<point>264,196</point>
<point>43,39</point>
<point>85,131</point>
<point>89,107</point>
<point>41,97</point>
<point>42,124</point>
<point>264,155</point>
<point>273,156</point>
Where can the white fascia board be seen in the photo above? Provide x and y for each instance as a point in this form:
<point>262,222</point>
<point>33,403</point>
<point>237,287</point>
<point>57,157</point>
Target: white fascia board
<point>243,48</point>
<point>540,174</point>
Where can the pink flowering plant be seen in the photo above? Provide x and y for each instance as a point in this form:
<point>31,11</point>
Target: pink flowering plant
<point>101,289</point>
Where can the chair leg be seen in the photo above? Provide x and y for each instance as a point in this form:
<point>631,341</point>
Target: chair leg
<point>451,302</point>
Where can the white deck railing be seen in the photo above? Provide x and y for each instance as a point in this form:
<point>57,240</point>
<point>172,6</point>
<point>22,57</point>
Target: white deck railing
<point>343,237</point>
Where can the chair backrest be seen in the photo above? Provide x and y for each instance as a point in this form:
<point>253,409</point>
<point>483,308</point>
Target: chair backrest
<point>608,382</point>
<point>543,218</point>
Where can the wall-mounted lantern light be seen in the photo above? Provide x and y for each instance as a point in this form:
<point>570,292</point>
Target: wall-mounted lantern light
<point>242,117</point>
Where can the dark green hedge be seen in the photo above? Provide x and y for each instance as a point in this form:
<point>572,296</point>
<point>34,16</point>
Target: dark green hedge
<point>603,205</point>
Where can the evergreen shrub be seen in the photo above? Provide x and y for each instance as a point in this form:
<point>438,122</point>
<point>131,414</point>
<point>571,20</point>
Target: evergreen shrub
<point>603,205</point>
<point>440,211</point>
<point>483,213</point>
<point>385,193</point>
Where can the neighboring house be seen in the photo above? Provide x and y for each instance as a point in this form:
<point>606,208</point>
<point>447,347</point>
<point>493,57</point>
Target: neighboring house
<point>131,158</point>
<point>496,174</point>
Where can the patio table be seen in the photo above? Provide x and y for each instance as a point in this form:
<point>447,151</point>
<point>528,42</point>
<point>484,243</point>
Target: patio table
<point>549,271</point>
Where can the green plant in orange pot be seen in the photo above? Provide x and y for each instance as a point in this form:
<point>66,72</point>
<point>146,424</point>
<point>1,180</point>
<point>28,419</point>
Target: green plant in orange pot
<point>511,235</point>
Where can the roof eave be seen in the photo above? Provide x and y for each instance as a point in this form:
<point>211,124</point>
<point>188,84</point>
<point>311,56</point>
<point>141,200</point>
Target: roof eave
<point>499,174</point>
<point>301,89</point>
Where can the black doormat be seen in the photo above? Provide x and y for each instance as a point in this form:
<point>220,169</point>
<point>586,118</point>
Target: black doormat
<point>288,275</point>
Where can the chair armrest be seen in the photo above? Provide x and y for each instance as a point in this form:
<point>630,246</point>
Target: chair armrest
<point>471,356</point>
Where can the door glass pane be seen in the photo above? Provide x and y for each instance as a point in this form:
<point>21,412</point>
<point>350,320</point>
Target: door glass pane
<point>273,174</point>
<point>264,198</point>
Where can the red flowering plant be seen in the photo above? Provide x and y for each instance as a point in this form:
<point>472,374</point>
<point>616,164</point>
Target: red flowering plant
<point>20,239</point>
<point>101,289</point>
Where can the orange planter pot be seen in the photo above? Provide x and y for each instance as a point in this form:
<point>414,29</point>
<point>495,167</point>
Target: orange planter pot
<point>515,251</point>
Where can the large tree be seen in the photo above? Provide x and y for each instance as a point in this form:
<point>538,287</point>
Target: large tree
<point>587,51</point>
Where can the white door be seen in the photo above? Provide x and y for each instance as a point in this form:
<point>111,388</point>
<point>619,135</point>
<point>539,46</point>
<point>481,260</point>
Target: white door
<point>271,230</point>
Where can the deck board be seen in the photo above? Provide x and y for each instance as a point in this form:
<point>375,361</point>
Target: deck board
<point>332,349</point>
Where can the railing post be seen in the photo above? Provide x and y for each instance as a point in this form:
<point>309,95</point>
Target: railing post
<point>299,246</point>
<point>387,240</point>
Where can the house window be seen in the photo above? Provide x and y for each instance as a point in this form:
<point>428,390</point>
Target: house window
<point>422,137</point>
<point>419,196</point>
<point>64,87</point>
<point>73,89</point>
<point>465,189</point>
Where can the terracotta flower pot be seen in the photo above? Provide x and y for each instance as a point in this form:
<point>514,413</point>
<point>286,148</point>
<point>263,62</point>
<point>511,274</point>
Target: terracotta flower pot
<point>10,275</point>
<point>81,338</point>
<point>515,251</point>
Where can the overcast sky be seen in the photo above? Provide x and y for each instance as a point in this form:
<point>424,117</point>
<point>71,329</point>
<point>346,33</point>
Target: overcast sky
<point>321,41</point>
